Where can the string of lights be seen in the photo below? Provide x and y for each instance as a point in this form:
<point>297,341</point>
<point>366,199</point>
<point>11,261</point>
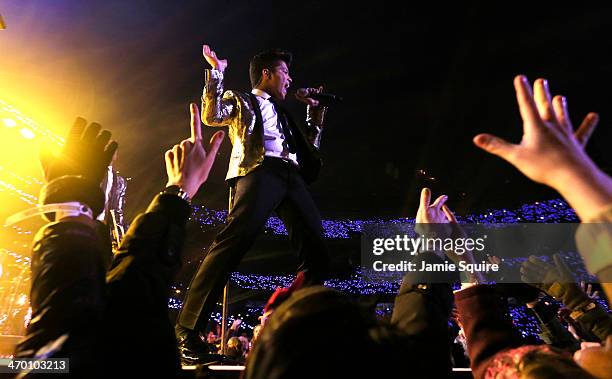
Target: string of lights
<point>12,117</point>
<point>14,191</point>
<point>26,180</point>
<point>552,211</point>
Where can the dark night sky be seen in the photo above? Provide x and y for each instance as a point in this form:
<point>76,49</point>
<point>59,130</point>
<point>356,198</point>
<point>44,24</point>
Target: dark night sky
<point>418,84</point>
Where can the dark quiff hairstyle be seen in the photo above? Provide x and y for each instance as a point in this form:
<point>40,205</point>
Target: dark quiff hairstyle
<point>267,59</point>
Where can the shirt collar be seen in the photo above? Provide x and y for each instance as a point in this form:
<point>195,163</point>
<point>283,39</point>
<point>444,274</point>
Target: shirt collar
<point>260,93</point>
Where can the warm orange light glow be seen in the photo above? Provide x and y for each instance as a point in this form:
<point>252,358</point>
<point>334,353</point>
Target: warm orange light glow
<point>38,104</point>
<point>12,190</point>
<point>22,300</point>
<point>11,116</point>
<point>20,172</point>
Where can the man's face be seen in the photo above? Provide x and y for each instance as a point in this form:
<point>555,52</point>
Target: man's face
<point>278,81</point>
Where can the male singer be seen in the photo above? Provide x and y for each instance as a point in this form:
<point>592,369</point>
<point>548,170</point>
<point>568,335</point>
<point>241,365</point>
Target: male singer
<point>272,159</point>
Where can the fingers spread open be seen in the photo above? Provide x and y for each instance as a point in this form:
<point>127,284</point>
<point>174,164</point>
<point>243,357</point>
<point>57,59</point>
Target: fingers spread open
<point>527,107</point>
<point>495,145</point>
<point>76,130</point>
<point>543,100</point>
<point>91,132</point>
<point>585,130</point>
<point>562,114</point>
<point>109,152</point>
<point>102,140</point>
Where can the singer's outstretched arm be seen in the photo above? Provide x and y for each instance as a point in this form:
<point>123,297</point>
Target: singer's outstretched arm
<point>217,109</point>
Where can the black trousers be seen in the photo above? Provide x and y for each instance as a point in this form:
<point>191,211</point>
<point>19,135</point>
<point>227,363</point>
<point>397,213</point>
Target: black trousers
<point>277,186</point>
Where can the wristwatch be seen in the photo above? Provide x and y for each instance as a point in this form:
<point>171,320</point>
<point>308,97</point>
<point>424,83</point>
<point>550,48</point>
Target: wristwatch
<point>176,190</point>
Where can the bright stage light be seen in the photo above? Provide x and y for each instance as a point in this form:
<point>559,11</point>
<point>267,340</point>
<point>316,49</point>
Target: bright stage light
<point>20,174</point>
<point>27,133</point>
<point>22,300</point>
<point>11,117</point>
<point>9,122</point>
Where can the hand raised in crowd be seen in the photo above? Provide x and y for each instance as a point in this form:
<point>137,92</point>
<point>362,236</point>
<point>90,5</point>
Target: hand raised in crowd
<point>438,220</point>
<point>303,95</point>
<point>87,152</point>
<point>547,131</point>
<point>588,289</point>
<point>433,213</point>
<point>554,279</point>
<point>236,324</point>
<point>550,152</point>
<point>543,275</point>
<point>213,60</point>
<point>436,213</point>
<point>188,164</point>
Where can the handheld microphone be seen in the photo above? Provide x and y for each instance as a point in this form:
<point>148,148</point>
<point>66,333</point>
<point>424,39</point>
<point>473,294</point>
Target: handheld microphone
<point>326,98</point>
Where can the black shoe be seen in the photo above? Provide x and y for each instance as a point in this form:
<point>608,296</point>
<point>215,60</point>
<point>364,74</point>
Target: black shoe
<point>188,359</point>
<point>192,350</point>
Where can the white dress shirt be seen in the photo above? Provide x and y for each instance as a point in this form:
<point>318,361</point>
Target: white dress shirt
<point>274,139</point>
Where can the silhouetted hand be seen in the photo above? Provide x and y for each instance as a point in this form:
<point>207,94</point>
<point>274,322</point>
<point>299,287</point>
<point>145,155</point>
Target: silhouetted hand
<point>87,153</point>
<point>556,280</point>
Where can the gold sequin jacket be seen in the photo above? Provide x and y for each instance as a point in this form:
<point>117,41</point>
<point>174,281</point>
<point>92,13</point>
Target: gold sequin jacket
<point>235,110</point>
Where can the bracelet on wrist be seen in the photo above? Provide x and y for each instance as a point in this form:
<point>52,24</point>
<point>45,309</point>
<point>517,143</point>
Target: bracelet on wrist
<point>177,191</point>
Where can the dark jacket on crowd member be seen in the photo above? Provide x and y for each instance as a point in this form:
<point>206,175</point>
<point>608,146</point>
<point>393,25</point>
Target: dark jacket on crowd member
<point>495,347</point>
<point>107,327</point>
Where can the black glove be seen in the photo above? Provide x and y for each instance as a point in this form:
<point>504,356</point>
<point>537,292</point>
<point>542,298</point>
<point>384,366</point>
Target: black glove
<point>557,281</point>
<point>87,153</point>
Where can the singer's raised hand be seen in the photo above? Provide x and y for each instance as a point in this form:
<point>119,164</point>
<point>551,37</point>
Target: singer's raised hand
<point>213,60</point>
